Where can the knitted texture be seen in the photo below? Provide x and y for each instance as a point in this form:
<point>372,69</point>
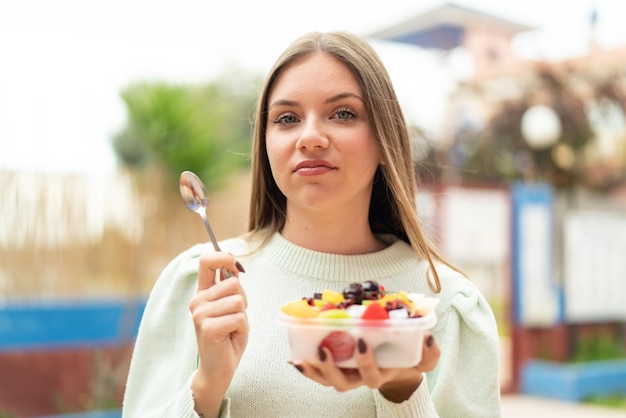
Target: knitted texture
<point>464,384</point>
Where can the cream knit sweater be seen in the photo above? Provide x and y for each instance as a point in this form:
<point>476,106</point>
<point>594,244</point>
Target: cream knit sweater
<point>464,384</point>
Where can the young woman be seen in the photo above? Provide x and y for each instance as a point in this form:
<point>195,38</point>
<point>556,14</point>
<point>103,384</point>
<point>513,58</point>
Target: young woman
<point>333,202</point>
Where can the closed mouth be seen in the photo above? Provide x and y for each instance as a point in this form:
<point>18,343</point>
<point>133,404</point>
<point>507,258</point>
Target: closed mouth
<point>309,164</point>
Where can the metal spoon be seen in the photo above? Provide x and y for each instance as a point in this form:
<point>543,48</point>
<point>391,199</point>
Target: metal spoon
<point>195,196</point>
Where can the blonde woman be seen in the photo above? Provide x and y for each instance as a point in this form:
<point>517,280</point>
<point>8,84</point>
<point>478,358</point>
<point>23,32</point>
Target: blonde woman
<point>332,203</point>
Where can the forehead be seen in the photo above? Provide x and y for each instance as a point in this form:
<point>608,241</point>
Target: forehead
<point>319,71</point>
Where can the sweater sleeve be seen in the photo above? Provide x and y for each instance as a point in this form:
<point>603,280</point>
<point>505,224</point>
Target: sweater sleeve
<point>419,405</point>
<point>165,353</point>
<point>466,380</point>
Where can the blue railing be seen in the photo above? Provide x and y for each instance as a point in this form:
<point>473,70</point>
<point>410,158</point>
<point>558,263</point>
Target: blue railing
<point>38,325</point>
<point>574,382</point>
<point>51,325</point>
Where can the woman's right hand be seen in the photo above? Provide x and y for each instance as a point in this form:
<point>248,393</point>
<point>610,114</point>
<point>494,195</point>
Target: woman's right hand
<point>219,315</point>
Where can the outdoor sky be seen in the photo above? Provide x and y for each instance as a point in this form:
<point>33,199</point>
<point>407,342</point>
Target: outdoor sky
<point>63,63</point>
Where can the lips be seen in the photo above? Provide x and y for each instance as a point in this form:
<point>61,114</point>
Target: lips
<point>313,165</point>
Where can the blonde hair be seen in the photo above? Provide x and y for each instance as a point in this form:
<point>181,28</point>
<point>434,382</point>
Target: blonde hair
<point>392,205</point>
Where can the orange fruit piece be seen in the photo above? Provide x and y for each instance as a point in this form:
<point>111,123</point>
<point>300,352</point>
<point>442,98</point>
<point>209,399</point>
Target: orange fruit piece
<point>299,309</point>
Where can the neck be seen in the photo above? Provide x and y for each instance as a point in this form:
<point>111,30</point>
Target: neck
<point>335,234</point>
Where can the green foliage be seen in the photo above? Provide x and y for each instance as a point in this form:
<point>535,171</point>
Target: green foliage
<point>5,414</point>
<point>205,129</point>
<point>617,401</point>
<point>598,347</point>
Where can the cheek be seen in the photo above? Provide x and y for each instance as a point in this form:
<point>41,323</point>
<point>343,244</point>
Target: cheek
<point>277,154</point>
<point>369,155</point>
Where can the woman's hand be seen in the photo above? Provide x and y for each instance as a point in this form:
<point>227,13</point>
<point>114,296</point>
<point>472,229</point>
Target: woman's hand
<point>219,315</point>
<point>397,385</point>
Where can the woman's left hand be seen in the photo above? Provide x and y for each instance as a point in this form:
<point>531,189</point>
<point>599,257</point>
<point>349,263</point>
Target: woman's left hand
<point>397,385</point>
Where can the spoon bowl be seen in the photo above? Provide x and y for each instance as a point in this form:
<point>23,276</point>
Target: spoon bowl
<point>196,198</point>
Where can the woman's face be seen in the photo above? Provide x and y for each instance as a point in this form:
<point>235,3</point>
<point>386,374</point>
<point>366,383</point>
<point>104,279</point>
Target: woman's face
<point>320,145</point>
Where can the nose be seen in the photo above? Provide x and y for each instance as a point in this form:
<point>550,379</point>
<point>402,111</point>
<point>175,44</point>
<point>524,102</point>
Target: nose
<point>312,135</point>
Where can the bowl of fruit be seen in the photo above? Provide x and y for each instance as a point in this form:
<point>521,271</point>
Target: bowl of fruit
<point>391,323</point>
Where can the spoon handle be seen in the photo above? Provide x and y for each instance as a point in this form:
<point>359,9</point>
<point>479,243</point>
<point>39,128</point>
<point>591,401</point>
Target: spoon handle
<point>227,273</point>
<point>210,231</point>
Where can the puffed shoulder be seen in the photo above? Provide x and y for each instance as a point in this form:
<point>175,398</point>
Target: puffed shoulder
<point>460,297</point>
<point>188,259</point>
<point>184,266</point>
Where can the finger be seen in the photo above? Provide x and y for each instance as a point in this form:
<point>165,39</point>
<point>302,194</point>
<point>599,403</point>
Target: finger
<point>210,263</point>
<point>223,327</point>
<point>316,374</point>
<point>430,354</point>
<point>308,370</point>
<point>341,379</point>
<point>370,374</point>
<point>228,273</point>
<point>235,298</point>
<point>220,338</point>
<point>204,305</point>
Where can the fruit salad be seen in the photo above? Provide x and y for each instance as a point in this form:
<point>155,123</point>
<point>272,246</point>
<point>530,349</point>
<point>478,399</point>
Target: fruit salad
<point>391,323</point>
<point>366,300</point>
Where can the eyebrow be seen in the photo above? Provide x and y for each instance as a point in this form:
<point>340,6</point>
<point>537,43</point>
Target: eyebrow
<point>285,102</point>
<point>343,96</point>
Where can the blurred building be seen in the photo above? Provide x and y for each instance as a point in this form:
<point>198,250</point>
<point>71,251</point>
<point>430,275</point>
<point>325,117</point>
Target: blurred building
<point>587,92</point>
<point>486,38</point>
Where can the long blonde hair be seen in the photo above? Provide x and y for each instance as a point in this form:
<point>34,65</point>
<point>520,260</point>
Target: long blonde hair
<point>392,205</point>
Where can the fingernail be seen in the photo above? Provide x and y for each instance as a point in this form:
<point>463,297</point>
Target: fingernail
<point>239,267</point>
<point>298,367</point>
<point>361,346</point>
<point>321,353</point>
<point>430,341</point>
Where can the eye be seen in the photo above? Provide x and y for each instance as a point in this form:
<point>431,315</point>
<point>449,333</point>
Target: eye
<point>286,119</point>
<point>345,113</point>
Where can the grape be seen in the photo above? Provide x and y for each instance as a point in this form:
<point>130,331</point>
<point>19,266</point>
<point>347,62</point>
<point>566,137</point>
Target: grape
<point>371,289</point>
<point>354,291</point>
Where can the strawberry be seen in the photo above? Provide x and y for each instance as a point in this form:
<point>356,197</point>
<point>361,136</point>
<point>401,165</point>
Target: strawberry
<point>327,306</point>
<point>340,344</point>
<point>375,311</point>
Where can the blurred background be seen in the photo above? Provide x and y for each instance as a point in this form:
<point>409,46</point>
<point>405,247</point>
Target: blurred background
<point>518,119</point>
